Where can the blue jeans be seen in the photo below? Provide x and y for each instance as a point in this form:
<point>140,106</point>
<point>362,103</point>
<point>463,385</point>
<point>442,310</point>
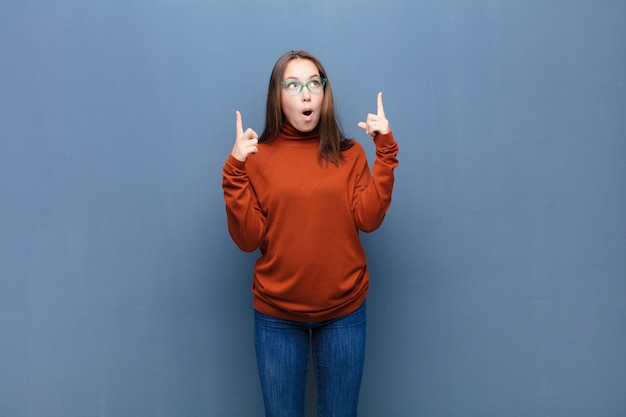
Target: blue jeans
<point>338,350</point>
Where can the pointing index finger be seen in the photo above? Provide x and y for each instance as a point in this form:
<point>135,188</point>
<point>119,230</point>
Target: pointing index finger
<point>238,124</point>
<point>381,109</point>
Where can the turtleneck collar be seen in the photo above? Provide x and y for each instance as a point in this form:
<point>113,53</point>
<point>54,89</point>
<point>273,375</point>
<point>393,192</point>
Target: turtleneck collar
<point>289,132</point>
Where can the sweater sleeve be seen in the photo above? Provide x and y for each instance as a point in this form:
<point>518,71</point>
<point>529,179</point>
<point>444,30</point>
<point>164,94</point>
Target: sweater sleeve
<point>372,195</point>
<point>246,221</point>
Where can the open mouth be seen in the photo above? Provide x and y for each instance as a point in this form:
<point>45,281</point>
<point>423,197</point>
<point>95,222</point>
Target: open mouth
<point>307,112</point>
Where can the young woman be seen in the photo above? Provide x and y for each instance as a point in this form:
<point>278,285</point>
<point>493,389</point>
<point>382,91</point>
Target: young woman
<point>301,193</point>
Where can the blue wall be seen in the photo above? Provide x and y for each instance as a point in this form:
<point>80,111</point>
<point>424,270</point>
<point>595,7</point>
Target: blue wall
<point>498,278</point>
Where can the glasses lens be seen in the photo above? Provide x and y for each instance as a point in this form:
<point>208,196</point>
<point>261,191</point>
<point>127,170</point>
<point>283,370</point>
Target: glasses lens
<point>316,85</point>
<point>293,87</point>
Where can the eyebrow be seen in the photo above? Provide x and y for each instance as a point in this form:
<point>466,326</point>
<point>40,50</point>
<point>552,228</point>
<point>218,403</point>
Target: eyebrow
<point>298,79</point>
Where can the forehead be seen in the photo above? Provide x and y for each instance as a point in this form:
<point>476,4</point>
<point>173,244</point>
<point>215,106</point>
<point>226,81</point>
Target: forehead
<point>301,69</point>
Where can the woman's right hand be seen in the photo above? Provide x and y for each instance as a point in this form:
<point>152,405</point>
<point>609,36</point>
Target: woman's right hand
<point>246,142</point>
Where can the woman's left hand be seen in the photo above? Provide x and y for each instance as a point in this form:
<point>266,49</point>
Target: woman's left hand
<point>376,123</point>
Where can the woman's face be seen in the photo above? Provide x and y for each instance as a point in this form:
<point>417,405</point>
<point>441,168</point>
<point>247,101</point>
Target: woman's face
<point>303,110</point>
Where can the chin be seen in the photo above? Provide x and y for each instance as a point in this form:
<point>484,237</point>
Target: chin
<point>306,128</point>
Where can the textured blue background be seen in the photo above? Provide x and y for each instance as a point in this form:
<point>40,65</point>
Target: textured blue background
<point>498,277</point>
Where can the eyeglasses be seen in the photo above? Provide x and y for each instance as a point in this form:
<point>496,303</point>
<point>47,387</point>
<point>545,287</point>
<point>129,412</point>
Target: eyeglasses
<point>294,87</point>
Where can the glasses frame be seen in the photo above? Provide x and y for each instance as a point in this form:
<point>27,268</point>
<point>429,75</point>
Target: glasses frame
<point>302,85</point>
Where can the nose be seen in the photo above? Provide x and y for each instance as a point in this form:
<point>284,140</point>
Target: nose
<point>305,94</point>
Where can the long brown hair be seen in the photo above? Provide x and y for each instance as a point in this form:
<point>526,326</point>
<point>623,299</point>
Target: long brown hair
<point>332,140</point>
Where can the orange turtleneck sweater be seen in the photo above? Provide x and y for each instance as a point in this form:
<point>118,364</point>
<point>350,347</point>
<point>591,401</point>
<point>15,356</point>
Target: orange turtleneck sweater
<point>305,218</point>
